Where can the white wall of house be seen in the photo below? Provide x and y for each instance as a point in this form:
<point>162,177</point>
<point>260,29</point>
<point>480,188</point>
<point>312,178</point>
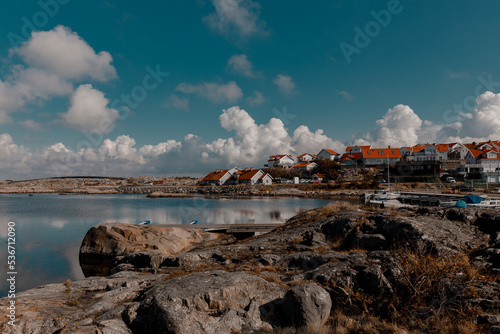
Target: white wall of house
<point>492,165</point>
<point>306,158</point>
<point>266,179</point>
<point>404,151</point>
<point>380,161</point>
<point>286,161</point>
<point>226,176</point>
<point>442,155</point>
<point>308,168</point>
<point>324,155</point>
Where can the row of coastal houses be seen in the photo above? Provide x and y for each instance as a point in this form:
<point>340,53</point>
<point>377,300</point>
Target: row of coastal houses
<point>304,162</point>
<point>247,176</point>
<point>478,159</point>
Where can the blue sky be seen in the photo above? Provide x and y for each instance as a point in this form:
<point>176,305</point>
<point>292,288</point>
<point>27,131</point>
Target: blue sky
<point>236,81</point>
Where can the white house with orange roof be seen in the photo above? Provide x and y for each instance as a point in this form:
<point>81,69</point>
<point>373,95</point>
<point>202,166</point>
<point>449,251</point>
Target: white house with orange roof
<point>306,157</point>
<point>485,161</point>
<point>353,155</point>
<point>265,179</point>
<point>426,152</point>
<point>381,156</point>
<point>306,166</point>
<point>280,161</point>
<point>219,176</point>
<point>325,154</point>
<point>248,176</point>
<point>442,151</point>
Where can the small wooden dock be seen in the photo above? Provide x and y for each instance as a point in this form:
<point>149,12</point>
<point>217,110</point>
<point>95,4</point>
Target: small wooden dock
<point>432,199</point>
<point>240,231</point>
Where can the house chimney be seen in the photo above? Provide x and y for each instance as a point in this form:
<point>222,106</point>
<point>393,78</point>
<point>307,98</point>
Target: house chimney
<point>251,168</point>
<point>246,169</point>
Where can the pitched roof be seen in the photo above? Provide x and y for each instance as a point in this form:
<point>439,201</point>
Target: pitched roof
<point>418,148</point>
<point>279,157</point>
<point>304,164</point>
<point>216,175</point>
<point>330,151</point>
<point>442,147</point>
<point>374,153</point>
<point>351,156</point>
<point>303,155</point>
<point>249,174</point>
<point>349,148</point>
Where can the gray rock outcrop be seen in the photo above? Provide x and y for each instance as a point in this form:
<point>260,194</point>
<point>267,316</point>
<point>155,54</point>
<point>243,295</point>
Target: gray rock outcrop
<point>407,269</point>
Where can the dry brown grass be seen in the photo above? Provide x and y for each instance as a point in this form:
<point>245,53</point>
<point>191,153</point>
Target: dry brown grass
<point>422,272</point>
<point>440,284</point>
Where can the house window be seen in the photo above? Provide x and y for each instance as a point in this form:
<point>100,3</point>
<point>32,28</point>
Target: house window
<point>369,152</point>
<point>393,152</point>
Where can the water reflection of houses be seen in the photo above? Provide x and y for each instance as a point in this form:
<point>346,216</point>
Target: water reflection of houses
<point>275,215</point>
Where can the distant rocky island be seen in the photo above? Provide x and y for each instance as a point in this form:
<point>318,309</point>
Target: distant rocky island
<point>158,187</point>
<point>336,269</point>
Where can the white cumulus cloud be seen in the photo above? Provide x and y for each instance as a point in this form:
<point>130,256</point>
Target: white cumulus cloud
<point>88,111</point>
<point>66,54</point>
<point>240,64</point>
<point>484,121</point>
<point>53,61</point>
<point>285,84</point>
<point>399,127</point>
<point>305,141</point>
<point>236,18</point>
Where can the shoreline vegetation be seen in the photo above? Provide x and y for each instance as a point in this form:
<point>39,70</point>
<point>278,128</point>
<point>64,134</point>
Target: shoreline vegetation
<point>342,268</point>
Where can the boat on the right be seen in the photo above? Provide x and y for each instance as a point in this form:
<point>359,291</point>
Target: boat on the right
<point>474,201</point>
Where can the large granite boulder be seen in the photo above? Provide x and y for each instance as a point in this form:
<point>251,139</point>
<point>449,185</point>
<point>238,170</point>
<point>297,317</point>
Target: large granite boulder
<point>305,305</point>
<point>144,246</point>
<point>215,302</point>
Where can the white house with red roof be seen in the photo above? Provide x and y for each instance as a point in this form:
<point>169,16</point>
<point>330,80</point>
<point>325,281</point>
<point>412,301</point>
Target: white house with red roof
<point>280,161</point>
<point>425,152</point>
<point>325,154</point>
<point>306,157</point>
<point>266,179</point>
<point>306,166</point>
<point>353,155</point>
<point>381,156</point>
<point>484,158</point>
<point>457,151</point>
<point>251,176</point>
<point>219,176</point>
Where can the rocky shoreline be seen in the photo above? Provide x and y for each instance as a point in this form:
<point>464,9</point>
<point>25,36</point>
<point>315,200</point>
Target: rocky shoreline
<point>337,269</point>
<point>191,191</point>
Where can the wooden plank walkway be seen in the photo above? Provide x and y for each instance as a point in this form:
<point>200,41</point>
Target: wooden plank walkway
<point>228,228</point>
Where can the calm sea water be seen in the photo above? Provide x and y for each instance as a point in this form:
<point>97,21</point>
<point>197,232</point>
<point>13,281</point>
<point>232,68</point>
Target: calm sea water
<point>51,227</point>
